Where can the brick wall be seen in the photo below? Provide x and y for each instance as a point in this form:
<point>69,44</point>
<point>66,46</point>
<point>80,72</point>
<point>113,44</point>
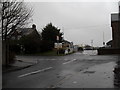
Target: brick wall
<point>116,34</point>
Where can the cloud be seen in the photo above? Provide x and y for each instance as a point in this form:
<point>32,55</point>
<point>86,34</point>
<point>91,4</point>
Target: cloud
<point>81,20</point>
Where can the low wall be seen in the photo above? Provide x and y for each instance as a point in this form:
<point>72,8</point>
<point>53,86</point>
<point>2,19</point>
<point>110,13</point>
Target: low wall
<point>108,51</point>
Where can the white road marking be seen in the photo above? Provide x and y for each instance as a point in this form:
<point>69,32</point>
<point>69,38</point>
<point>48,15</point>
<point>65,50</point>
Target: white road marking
<point>46,59</point>
<point>38,71</point>
<point>70,61</point>
<point>52,59</point>
<point>65,59</point>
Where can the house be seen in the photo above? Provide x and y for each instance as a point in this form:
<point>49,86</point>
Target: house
<point>24,32</point>
<point>115,24</point>
<point>17,35</point>
<point>115,42</point>
<point>26,37</point>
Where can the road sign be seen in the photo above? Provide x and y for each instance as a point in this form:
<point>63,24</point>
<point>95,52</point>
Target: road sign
<point>58,45</point>
<point>57,38</point>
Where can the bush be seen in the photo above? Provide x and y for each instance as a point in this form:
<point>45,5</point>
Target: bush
<point>61,51</point>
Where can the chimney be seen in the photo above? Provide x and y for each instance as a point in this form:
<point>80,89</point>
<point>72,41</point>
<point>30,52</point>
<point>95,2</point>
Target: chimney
<point>34,26</point>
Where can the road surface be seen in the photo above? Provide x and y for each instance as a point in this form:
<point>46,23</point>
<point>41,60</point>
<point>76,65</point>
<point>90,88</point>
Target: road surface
<point>78,70</point>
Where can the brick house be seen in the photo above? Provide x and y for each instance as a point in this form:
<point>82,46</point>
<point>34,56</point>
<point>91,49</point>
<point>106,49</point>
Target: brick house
<point>115,42</point>
<point>115,24</point>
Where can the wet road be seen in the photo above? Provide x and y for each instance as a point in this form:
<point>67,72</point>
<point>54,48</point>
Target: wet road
<point>78,70</point>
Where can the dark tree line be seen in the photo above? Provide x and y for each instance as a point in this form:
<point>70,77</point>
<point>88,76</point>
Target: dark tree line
<point>43,42</point>
<point>37,43</point>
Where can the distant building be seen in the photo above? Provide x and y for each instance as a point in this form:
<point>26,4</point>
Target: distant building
<point>75,48</point>
<point>115,24</point>
<point>88,47</point>
<point>68,46</point>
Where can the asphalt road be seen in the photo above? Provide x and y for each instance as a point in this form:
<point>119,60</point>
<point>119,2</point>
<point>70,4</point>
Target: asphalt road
<point>78,70</point>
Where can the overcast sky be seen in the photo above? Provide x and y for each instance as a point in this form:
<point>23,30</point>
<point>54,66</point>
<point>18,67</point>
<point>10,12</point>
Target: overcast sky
<point>81,22</point>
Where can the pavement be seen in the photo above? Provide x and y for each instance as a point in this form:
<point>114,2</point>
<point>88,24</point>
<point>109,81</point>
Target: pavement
<point>18,65</point>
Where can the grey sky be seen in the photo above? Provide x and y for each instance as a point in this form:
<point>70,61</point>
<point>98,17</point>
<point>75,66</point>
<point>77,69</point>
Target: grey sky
<point>81,21</point>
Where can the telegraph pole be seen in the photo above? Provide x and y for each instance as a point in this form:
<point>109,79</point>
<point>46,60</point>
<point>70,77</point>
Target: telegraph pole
<point>63,32</point>
<point>92,44</point>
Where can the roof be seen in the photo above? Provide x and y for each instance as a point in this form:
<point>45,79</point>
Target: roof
<point>25,31</point>
<point>115,17</point>
<point>110,42</point>
<point>65,41</point>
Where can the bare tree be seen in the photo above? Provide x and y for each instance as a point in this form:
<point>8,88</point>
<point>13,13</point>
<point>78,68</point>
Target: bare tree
<point>13,14</point>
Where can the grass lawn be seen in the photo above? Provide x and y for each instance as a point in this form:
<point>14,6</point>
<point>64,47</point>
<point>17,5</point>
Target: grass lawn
<point>50,53</point>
